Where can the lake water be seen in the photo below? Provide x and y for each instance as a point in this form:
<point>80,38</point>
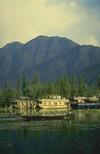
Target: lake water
<point>79,134</point>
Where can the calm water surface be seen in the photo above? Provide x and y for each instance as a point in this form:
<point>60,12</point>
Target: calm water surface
<point>80,134</point>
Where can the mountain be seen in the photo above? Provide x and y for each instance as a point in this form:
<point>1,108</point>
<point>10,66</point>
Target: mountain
<point>50,57</point>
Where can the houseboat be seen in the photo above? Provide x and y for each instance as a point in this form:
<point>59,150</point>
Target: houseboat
<point>23,103</point>
<point>47,114</point>
<point>85,102</point>
<point>53,103</point>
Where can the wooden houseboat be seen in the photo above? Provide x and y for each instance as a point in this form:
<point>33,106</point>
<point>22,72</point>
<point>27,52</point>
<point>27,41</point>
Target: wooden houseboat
<point>53,103</point>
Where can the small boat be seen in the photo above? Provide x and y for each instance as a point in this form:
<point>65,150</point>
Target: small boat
<point>85,105</point>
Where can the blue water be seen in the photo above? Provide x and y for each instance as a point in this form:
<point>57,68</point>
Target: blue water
<point>79,134</point>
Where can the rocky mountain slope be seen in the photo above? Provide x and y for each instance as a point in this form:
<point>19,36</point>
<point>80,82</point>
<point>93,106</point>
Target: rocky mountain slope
<point>50,57</point>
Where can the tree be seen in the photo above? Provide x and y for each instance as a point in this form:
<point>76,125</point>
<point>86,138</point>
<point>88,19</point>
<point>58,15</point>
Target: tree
<point>35,79</point>
<point>82,90</point>
<point>98,82</point>
<point>17,88</point>
<point>74,86</point>
<point>65,86</point>
<point>24,85</point>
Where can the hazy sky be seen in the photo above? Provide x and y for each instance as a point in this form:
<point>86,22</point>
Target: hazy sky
<point>22,20</point>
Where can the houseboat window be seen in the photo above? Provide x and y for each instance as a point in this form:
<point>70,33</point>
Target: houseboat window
<point>52,103</point>
<point>44,103</point>
<point>55,103</point>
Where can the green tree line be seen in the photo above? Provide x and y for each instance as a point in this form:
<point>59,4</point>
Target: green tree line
<point>63,86</point>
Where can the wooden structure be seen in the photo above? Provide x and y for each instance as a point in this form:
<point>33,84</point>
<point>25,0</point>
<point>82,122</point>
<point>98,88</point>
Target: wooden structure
<point>81,99</point>
<point>53,103</point>
<point>23,103</point>
<point>93,99</point>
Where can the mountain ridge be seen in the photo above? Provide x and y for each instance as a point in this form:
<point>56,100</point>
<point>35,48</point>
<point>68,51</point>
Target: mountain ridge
<point>50,57</point>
